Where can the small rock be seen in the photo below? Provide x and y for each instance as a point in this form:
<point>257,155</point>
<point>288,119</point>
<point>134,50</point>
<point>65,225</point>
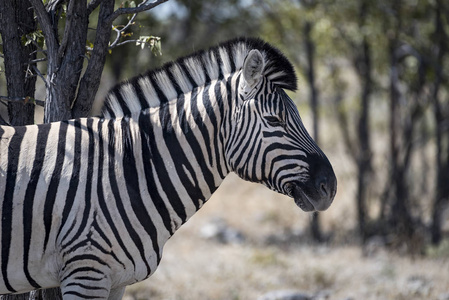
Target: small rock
<point>418,285</point>
<point>285,295</point>
<point>220,231</point>
<point>373,246</point>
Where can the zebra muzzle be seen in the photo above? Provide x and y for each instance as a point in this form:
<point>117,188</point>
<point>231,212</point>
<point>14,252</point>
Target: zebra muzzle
<point>301,199</point>
<point>310,198</point>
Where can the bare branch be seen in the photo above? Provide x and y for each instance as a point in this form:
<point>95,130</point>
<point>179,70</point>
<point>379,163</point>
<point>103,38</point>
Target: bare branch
<point>36,44</point>
<point>93,4</point>
<point>24,100</point>
<point>47,28</point>
<point>120,31</point>
<point>145,5</point>
<point>40,75</point>
<point>122,43</point>
<point>70,24</point>
<point>36,61</point>
<point>90,81</point>
<point>127,42</point>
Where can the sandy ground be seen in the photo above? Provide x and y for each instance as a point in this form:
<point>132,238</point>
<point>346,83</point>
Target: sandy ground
<point>262,249</point>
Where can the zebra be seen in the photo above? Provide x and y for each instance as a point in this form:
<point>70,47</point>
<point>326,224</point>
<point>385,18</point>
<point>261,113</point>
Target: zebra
<point>87,204</point>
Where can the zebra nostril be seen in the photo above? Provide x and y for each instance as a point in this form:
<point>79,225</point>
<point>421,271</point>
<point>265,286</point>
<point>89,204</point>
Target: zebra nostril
<point>322,186</point>
<point>324,189</point>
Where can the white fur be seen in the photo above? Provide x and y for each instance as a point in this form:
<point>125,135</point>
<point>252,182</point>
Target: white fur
<point>194,68</point>
<point>225,61</point>
<point>181,79</point>
<point>165,84</point>
<point>149,92</point>
<point>114,104</point>
<point>129,94</point>
<point>211,65</point>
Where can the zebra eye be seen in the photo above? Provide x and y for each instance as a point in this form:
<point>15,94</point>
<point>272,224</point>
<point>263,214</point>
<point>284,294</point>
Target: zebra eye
<point>274,121</point>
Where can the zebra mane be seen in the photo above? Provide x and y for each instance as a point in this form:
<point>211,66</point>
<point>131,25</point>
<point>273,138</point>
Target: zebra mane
<point>156,87</point>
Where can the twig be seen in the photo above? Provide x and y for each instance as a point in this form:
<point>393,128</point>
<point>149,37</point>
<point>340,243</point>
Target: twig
<point>119,31</point>
<point>127,42</point>
<point>40,75</point>
<point>39,51</point>
<point>70,24</point>
<point>93,4</point>
<point>36,44</point>
<point>145,5</point>
<point>25,100</point>
<point>47,28</point>
<point>36,61</point>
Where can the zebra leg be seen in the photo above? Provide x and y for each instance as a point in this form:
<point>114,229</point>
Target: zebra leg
<point>117,293</point>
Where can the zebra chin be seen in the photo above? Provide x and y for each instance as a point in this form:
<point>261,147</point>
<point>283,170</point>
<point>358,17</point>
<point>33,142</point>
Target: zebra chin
<point>308,198</point>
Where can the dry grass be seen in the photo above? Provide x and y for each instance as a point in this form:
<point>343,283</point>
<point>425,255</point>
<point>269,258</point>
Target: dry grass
<point>197,268</point>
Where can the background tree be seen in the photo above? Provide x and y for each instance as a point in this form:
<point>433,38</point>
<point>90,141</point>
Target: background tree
<point>17,21</point>
<point>282,20</point>
<point>72,65</point>
<point>359,53</point>
<point>441,113</point>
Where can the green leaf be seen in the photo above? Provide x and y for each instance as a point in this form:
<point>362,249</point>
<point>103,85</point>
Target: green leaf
<point>25,41</point>
<point>89,44</point>
<point>153,42</point>
<point>157,49</point>
<point>36,36</point>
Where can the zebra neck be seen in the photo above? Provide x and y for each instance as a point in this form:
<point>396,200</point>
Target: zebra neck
<point>183,149</point>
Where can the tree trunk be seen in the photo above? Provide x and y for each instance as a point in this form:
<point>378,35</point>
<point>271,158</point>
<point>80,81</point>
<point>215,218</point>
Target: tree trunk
<point>17,20</point>
<point>91,79</point>
<point>442,177</point>
<point>363,67</point>
<point>442,159</point>
<point>400,219</point>
<point>310,54</point>
<point>364,157</point>
<point>66,63</point>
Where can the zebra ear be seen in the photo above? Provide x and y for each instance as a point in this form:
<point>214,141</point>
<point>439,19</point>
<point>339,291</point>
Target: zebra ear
<point>253,68</point>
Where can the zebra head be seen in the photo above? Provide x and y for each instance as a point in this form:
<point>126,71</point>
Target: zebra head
<point>269,144</point>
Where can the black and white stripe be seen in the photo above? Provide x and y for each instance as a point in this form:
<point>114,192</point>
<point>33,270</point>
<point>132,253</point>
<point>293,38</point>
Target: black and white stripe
<point>88,204</point>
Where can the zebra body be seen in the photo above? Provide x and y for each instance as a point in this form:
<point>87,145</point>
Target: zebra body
<point>116,220</point>
<point>88,204</point>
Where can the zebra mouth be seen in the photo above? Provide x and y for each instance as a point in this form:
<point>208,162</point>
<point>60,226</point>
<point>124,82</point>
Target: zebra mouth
<point>301,199</point>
